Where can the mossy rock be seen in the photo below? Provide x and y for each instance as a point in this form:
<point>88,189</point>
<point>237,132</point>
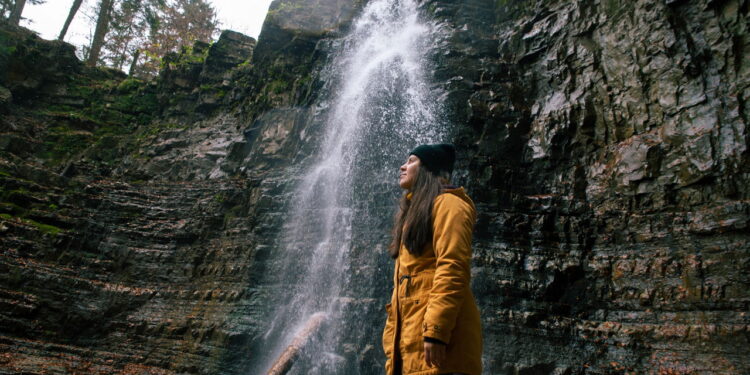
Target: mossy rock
<point>41,227</point>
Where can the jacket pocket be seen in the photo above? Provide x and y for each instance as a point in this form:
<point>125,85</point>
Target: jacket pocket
<point>413,310</point>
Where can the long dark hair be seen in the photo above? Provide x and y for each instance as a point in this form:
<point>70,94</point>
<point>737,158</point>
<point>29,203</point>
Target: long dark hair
<point>413,221</point>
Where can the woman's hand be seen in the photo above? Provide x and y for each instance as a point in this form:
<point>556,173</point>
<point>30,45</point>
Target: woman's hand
<point>434,354</point>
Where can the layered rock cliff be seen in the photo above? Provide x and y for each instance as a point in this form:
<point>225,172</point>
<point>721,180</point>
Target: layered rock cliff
<point>605,144</point>
<point>610,163</point>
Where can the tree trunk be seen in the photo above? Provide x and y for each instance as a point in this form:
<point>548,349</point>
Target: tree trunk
<point>136,55</point>
<point>71,14</point>
<point>102,26</point>
<point>123,55</point>
<point>15,14</point>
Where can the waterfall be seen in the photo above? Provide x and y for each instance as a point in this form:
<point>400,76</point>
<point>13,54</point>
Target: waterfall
<point>378,104</point>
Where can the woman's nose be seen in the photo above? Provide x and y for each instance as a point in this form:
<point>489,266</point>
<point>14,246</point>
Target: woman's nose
<point>402,168</point>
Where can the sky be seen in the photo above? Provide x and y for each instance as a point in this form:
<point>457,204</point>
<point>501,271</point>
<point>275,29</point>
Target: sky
<point>245,16</point>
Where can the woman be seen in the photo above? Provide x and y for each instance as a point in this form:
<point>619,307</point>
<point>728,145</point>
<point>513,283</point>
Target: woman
<point>433,324</point>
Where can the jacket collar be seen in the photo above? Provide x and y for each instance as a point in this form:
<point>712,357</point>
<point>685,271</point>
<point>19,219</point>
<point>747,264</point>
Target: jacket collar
<point>446,189</point>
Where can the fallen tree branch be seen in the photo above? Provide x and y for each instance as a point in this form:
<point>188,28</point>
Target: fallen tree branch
<point>285,361</point>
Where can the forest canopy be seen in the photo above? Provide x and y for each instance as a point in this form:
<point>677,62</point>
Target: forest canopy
<point>134,35</point>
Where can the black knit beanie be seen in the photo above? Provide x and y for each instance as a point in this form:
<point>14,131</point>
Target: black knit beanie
<point>436,158</point>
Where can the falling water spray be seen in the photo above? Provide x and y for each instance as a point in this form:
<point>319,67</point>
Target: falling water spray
<point>378,104</point>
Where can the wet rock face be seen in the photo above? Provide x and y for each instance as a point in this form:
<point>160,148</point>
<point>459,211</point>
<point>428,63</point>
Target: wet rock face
<point>95,252</point>
<point>604,143</point>
<point>107,282</point>
<point>609,162</point>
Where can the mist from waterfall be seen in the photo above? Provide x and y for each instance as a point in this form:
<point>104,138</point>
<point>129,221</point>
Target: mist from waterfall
<point>376,106</point>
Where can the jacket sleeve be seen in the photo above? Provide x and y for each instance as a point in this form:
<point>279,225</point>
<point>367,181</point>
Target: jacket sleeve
<point>452,226</point>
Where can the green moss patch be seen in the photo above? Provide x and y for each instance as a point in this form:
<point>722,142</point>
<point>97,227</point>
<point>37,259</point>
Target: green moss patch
<point>44,228</point>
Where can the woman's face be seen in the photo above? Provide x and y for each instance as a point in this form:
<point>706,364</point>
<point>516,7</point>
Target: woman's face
<point>408,172</point>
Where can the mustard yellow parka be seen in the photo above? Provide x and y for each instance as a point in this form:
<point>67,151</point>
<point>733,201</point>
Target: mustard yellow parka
<point>432,295</point>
